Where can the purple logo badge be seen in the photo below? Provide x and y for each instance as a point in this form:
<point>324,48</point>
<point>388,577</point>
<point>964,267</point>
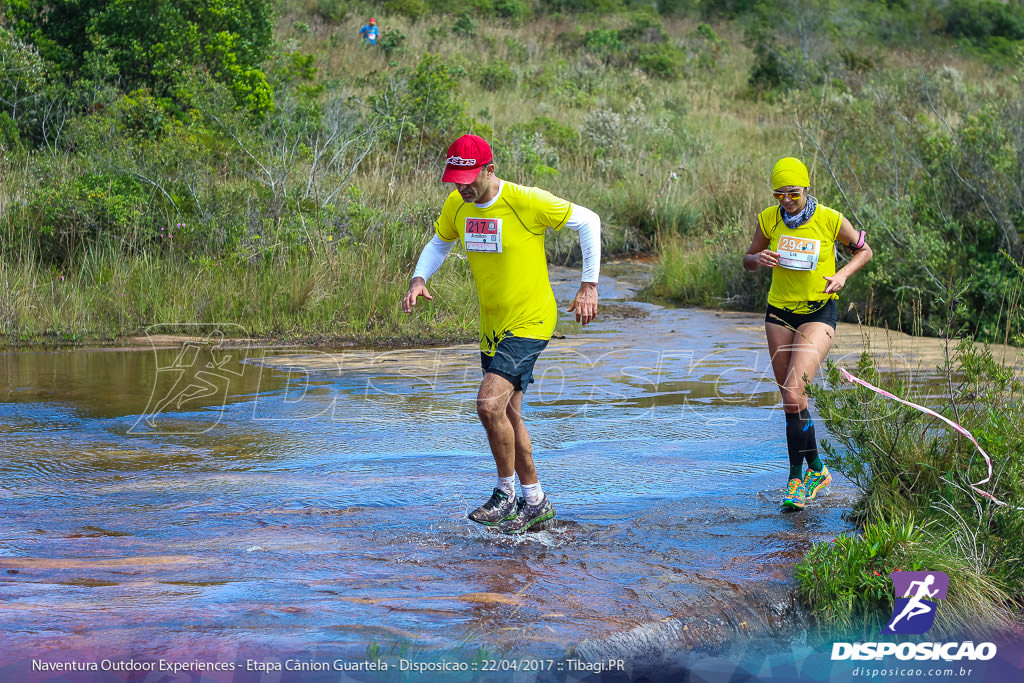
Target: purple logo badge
<point>916,596</point>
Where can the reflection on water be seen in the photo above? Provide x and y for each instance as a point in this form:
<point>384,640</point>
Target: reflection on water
<point>222,501</point>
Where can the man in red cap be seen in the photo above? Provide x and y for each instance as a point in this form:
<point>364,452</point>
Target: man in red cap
<point>369,32</point>
<point>501,226</point>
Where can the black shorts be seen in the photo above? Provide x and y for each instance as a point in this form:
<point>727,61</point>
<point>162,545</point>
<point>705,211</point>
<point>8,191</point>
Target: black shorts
<point>514,360</point>
<point>828,314</point>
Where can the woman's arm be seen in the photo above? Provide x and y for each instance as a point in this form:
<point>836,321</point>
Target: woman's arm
<point>854,241</point>
<point>759,254</point>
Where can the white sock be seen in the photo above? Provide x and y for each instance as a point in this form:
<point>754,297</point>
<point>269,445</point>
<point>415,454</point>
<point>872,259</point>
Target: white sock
<point>508,485</point>
<point>533,493</point>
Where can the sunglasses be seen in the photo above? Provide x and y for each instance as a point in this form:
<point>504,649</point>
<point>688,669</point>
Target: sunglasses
<point>787,195</point>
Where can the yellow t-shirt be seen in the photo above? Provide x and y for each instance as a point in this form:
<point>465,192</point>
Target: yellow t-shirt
<point>504,242</point>
<point>807,256</point>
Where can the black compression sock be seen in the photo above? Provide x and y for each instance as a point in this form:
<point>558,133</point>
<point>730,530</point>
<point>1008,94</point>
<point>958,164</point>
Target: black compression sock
<point>810,447</point>
<point>795,442</point>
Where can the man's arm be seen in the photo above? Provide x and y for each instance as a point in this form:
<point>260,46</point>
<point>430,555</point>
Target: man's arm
<point>588,225</point>
<point>430,260</point>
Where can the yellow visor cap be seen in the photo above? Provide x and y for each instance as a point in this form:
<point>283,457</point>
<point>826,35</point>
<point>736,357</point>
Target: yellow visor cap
<point>790,171</point>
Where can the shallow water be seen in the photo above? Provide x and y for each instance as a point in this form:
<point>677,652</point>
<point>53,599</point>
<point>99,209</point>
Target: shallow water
<point>223,502</point>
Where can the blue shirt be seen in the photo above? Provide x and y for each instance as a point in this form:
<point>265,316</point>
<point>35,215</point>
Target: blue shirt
<point>370,33</point>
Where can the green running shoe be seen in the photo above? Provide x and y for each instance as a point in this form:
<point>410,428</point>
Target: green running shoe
<point>795,495</point>
<point>497,509</point>
<point>816,481</point>
<point>527,517</point>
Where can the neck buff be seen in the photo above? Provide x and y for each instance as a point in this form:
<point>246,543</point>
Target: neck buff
<point>803,216</point>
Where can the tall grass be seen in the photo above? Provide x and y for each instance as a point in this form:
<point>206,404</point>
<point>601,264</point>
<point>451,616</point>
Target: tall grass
<point>294,296</point>
<point>846,581</point>
<point>919,508</point>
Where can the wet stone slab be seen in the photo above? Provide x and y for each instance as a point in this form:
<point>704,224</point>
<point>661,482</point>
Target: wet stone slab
<point>234,500</point>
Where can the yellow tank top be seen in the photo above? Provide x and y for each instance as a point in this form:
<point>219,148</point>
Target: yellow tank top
<point>504,243</point>
<point>807,257</point>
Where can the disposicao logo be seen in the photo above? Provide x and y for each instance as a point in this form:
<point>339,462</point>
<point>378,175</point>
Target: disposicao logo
<point>914,612</point>
<point>917,596</point>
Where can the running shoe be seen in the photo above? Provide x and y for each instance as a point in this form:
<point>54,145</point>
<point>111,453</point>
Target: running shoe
<point>816,481</point>
<point>499,508</point>
<point>527,517</point>
<point>795,495</point>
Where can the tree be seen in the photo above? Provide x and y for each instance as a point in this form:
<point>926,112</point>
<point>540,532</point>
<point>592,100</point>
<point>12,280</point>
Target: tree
<point>154,44</point>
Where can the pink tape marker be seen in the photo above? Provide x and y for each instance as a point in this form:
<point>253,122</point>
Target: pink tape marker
<point>988,461</point>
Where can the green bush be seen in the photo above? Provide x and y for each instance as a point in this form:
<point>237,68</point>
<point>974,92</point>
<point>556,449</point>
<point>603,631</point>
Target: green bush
<point>527,157</point>
<point>464,25</point>
<point>903,460</point>
<point>391,42</point>
<point>331,11</point>
<point>61,222</point>
<point>661,61</point>
<point>603,42</point>
<point>705,48</point>
<point>25,89</point>
<point>497,75</point>
<point>561,136</point>
<point>424,102</point>
<point>413,9</point>
<point>158,44</point>
<point>777,67</point>
<point>846,581</point>
<point>510,9</point>
<point>677,8</point>
<point>575,6</point>
<point>10,136</point>
<point>983,19</point>
<point>515,51</point>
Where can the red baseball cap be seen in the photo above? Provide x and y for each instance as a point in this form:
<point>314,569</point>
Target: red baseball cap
<point>466,157</point>
<point>372,20</point>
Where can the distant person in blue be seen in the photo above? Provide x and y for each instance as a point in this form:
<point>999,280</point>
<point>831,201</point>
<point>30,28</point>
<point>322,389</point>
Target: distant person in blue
<point>369,32</point>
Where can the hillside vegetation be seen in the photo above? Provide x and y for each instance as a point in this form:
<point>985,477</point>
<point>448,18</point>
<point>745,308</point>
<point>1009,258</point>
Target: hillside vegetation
<point>254,163</point>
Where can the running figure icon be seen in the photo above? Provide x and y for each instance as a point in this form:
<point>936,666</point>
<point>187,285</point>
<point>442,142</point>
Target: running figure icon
<point>915,607</point>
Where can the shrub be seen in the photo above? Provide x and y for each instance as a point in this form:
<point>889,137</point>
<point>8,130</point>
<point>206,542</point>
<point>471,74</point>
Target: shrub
<point>529,158</point>
<point>391,41</point>
<point>331,11</point>
<point>603,42</point>
<point>984,19</point>
<point>846,581</point>
<point>10,137</point>
<point>776,67</point>
<point>63,221</point>
<point>660,61</point>
<point>574,6</point>
<point>561,136</point>
<point>424,102</point>
<point>510,9</point>
<point>705,47</point>
<point>919,509</point>
<point>496,76</point>
<point>464,25</point>
<point>413,9</point>
<point>515,51</point>
<point>156,45</point>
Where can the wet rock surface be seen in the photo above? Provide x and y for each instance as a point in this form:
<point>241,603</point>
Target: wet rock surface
<point>250,500</point>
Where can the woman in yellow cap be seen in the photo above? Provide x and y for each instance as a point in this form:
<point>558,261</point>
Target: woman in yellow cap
<point>796,239</point>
